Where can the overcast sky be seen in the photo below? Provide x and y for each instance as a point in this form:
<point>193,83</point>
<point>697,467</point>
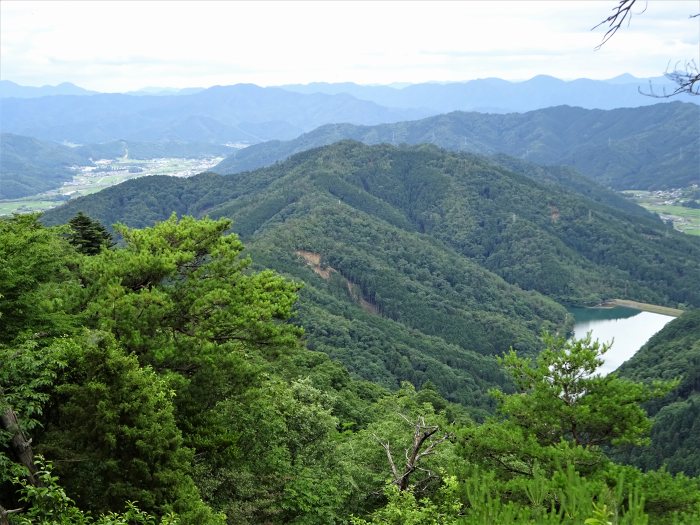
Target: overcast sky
<point>128,45</point>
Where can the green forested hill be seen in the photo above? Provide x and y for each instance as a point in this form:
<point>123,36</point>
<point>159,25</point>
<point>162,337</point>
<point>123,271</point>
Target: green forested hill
<point>650,147</point>
<point>407,253</point>
<point>30,166</point>
<point>673,353</point>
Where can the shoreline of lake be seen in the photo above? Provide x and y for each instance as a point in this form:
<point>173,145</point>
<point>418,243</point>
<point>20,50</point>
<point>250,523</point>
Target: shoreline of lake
<point>644,307</point>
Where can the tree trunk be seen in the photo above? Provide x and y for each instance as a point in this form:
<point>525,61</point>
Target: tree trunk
<point>21,446</point>
<point>4,513</point>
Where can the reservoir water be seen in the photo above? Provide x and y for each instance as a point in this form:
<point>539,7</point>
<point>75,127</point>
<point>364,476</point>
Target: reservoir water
<point>628,329</point>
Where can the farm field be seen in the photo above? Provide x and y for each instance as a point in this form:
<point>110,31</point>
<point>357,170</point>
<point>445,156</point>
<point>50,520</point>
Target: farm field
<point>667,205</point>
<point>106,173</point>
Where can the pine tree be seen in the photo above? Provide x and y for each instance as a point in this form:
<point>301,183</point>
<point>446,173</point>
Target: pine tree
<point>88,235</point>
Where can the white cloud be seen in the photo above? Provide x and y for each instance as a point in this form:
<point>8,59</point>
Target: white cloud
<point>128,45</point>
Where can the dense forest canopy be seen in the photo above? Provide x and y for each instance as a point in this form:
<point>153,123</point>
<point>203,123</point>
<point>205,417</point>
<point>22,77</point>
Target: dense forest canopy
<point>165,371</point>
<point>539,234</point>
<point>672,354</point>
<point>421,265</point>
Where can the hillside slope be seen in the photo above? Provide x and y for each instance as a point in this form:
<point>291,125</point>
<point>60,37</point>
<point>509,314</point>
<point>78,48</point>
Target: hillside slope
<point>673,353</point>
<point>418,263</point>
<point>29,166</point>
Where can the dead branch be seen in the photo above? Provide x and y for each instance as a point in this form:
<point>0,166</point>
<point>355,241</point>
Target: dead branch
<point>21,445</point>
<point>423,444</point>
<point>686,78</point>
<point>4,513</point>
<point>621,12</point>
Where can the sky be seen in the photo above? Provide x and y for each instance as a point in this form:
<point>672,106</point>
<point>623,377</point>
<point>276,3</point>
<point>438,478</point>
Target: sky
<point>129,45</point>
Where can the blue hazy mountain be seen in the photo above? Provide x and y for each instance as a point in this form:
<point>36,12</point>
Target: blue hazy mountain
<point>220,114</point>
<point>11,89</point>
<point>495,95</point>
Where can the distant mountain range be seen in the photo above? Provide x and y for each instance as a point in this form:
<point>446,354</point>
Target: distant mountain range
<point>219,114</point>
<point>10,89</point>
<point>494,95</point>
<point>651,147</point>
<point>489,95</point>
<point>159,91</point>
<point>245,112</point>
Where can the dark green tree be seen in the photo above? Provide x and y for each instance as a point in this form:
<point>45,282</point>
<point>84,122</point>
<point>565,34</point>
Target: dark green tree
<point>562,411</point>
<point>560,396</point>
<point>37,284</point>
<point>88,235</point>
<point>112,430</point>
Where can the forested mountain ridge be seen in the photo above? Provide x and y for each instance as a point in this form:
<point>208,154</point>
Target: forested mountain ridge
<point>220,114</point>
<point>418,234</point>
<point>467,202</point>
<point>435,312</point>
<point>672,353</point>
<point>649,147</point>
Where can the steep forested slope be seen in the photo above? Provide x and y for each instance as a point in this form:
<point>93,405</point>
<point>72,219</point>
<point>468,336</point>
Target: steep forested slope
<point>400,249</point>
<point>673,353</point>
<point>30,166</point>
<point>641,148</point>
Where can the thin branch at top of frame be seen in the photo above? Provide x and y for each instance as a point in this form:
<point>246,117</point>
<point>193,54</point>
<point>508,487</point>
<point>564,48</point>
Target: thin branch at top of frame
<point>621,12</point>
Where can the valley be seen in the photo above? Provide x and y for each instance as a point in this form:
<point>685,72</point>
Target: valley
<point>103,174</point>
<point>679,205</point>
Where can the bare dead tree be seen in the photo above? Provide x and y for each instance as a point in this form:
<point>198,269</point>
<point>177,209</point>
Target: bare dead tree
<point>20,443</point>
<point>685,77</point>
<point>4,513</point>
<point>423,444</point>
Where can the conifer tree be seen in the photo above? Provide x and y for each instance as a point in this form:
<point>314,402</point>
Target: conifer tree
<point>88,235</point>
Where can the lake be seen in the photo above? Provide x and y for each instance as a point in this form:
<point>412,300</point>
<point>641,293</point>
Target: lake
<point>629,329</point>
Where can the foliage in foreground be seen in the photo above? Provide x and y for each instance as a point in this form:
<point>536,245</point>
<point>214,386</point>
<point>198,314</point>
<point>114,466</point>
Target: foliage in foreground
<point>166,373</point>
